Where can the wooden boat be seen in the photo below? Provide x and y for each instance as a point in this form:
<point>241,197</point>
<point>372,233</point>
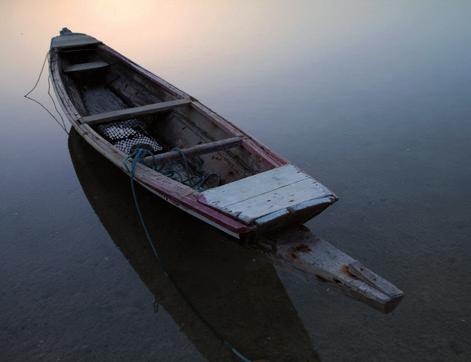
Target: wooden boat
<point>201,163</point>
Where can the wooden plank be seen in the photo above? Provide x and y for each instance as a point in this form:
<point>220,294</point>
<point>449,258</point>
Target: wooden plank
<point>82,67</point>
<point>300,249</point>
<point>73,40</point>
<point>278,199</point>
<point>196,150</point>
<point>281,198</point>
<point>134,112</point>
<point>252,186</point>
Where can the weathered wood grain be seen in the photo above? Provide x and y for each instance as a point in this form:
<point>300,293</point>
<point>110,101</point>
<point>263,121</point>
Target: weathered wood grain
<point>281,198</point>
<point>252,186</point>
<point>266,193</point>
<point>298,248</point>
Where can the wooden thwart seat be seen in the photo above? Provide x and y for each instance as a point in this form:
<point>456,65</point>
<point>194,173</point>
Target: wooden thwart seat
<point>128,113</point>
<point>201,149</point>
<point>83,67</point>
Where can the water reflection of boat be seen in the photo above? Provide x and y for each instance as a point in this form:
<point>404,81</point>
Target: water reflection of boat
<point>234,289</point>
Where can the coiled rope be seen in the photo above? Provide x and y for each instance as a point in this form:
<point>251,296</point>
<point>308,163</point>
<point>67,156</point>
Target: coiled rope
<point>194,179</point>
<point>27,96</point>
<point>135,158</point>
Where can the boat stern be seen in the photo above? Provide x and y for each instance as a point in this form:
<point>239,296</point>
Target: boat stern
<point>272,199</point>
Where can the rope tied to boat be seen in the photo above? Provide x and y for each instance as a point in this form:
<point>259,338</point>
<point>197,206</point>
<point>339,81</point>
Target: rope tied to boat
<point>194,179</point>
<point>131,163</point>
<point>27,96</point>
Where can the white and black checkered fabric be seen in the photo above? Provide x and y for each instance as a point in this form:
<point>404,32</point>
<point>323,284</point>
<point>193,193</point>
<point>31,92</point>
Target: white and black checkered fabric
<point>126,134</point>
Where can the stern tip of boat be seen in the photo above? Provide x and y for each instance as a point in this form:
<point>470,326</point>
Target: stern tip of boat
<point>303,251</point>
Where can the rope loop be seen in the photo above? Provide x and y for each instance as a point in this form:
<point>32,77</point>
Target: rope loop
<point>60,123</point>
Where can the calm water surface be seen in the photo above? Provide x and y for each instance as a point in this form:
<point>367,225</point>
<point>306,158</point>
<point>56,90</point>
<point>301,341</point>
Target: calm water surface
<point>371,97</point>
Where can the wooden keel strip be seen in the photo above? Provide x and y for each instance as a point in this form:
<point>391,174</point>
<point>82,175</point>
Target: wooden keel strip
<point>128,113</point>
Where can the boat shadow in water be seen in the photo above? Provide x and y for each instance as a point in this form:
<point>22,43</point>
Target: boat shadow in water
<point>234,289</point>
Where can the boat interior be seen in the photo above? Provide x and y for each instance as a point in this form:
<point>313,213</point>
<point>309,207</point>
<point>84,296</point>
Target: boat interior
<point>112,97</point>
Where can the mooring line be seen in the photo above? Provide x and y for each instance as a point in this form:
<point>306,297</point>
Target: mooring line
<point>135,158</point>
<point>61,125</point>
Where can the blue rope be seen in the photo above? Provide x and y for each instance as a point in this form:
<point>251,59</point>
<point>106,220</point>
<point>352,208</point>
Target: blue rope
<point>188,177</point>
<point>136,157</point>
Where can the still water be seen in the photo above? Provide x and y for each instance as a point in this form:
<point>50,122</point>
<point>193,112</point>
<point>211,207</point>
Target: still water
<point>370,97</point>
